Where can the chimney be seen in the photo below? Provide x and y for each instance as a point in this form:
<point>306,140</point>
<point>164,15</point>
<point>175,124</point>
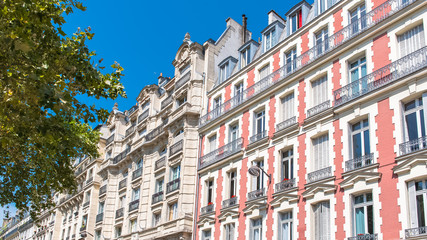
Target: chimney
<point>245,26</point>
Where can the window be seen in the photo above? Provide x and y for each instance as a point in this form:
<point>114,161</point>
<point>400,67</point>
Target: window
<point>98,235</point>
<point>223,72</point>
<point>238,93</point>
<point>296,21</point>
<point>206,235</point>
<point>173,211</point>
<point>87,196</point>
<point>232,176</point>
<point>287,165</point>
<point>175,172</point>
<point>135,194</point>
<point>216,106</point>
<point>108,155</point>
<point>101,207</point>
<point>414,122</point>
<point>210,191</point>
<point>259,123</point>
<point>122,201</point>
<point>142,131</point>
<point>63,233</point>
<point>320,91</point>
<point>140,163</point>
<point>417,203</point>
<point>179,132</point>
<point>291,62</point>
<point>159,185</point>
<point>245,57</point>
<point>285,226</point>
<point>132,225</point>
<point>163,151</point>
<point>357,74</point>
<point>288,107</point>
<point>125,173</point>
<point>118,231</point>
<point>360,139</point>
<point>411,40</point>
<point>234,132</point>
<point>321,39</point>
<point>229,231</point>
<point>258,182</point>
<point>156,218</point>
<point>363,214</point>
<point>256,229</point>
<point>270,39</point>
<point>184,70</point>
<point>84,221</point>
<point>358,19</point>
<point>322,5</point>
<point>321,152</point>
<point>321,221</point>
<point>212,143</point>
<point>264,72</point>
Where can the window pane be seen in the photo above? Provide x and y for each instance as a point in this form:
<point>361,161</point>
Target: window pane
<point>420,211</point>
<point>357,145</point>
<point>360,221</point>
<point>411,124</point>
<point>370,216</point>
<point>366,142</point>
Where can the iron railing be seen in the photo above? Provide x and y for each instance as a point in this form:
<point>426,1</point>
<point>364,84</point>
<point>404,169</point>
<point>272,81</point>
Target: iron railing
<point>103,190</point>
<point>130,130</point>
<point>359,162</point>
<point>285,185</point>
<point>160,163</point>
<point>287,123</point>
<point>154,133</point>
<point>86,204</point>
<point>207,209</point>
<point>110,139</point>
<point>133,205</point>
<point>122,183</point>
<point>258,136</point>
<point>371,19</point>
<point>119,213</point>
<point>319,108</point>
<point>413,145</point>
<point>183,80</point>
<point>166,102</point>
<point>176,147</point>
<point>173,185</point>
<point>414,232</point>
<point>142,116</point>
<point>99,217</point>
<point>256,194</point>
<point>319,174</point>
<point>137,173</point>
<point>132,109</point>
<point>364,237</point>
<point>229,202</point>
<point>221,153</point>
<point>89,181</point>
<point>79,170</point>
<point>381,77</point>
<point>157,197</point>
<point>121,155</point>
<point>83,228</point>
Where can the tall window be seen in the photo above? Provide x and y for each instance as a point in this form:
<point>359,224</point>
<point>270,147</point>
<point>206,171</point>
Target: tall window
<point>411,40</point>
<point>98,235</point>
<point>229,231</point>
<point>173,211</point>
<point>320,91</point>
<point>216,106</point>
<point>206,235</point>
<point>417,203</point>
<point>140,163</point>
<point>296,21</point>
<point>238,93</point>
<point>159,185</point>
<point>414,123</point>
<point>118,231</point>
<point>175,172</point>
<point>285,226</point>
<point>132,225</point>
<point>357,74</point>
<point>322,43</point>
<point>358,19</point>
<point>156,218</point>
<point>212,143</point>
<point>363,214</point>
<point>322,5</point>
<point>291,63</point>
<point>321,152</point>
<point>259,122</point>
<point>210,192</point>
<point>264,72</point>
<point>360,138</point>
<point>234,132</point>
<point>233,183</point>
<point>87,196</point>
<point>270,39</point>
<point>288,107</point>
<point>223,72</point>
<point>287,165</point>
<point>245,57</point>
<point>322,221</point>
<point>101,207</point>
<point>258,182</point>
<point>122,201</point>
<point>256,229</point>
<point>135,193</point>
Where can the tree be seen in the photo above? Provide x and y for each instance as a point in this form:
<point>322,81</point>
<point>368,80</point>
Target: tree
<point>43,124</point>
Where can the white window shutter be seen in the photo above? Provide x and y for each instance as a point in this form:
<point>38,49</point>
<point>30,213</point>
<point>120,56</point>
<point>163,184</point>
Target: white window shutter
<point>412,204</point>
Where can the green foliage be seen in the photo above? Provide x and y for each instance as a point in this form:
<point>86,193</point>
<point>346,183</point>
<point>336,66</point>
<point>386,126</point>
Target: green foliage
<point>43,125</point>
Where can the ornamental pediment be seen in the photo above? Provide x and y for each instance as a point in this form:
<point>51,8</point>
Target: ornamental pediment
<point>406,165</point>
<point>313,189</point>
<point>360,176</point>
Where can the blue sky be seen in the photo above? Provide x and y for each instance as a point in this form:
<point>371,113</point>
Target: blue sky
<point>143,36</point>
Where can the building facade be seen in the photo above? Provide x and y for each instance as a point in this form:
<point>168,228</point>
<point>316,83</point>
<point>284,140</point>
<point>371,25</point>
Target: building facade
<point>320,134</point>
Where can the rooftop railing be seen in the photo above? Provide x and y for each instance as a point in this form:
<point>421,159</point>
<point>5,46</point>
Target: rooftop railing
<point>364,237</point>
<point>415,232</point>
<point>256,194</point>
<point>287,123</point>
<point>183,80</point>
<point>359,162</point>
<point>229,202</point>
<point>173,185</point>
<point>133,205</point>
<point>413,145</point>
<point>371,19</point>
<point>319,108</point>
<point>258,136</point>
<point>319,174</point>
<point>119,213</point>
<point>142,116</point>
<point>157,197</point>
<point>137,173</point>
<point>160,163</point>
<point>166,102</point>
<point>110,139</point>
<point>285,185</point>
<point>221,153</point>
<point>207,209</point>
<point>177,147</point>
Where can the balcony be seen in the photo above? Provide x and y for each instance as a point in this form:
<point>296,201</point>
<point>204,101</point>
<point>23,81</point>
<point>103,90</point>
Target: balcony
<point>102,190</point>
<point>208,209</point>
<point>173,185</point>
<point>133,205</point>
<point>338,39</point>
<point>319,174</point>
<point>157,197</point>
<point>160,163</point>
<point>137,173</point>
<point>287,123</point>
<point>119,213</point>
<point>123,183</point>
<point>183,80</point>
<point>132,109</point>
<point>175,148</point>
<point>86,204</point>
<point>256,194</point>
<point>359,162</point>
<point>221,153</point>
<point>377,79</point>
<point>285,185</point>
<point>130,130</point>
<point>121,155</point>
<point>89,181</point>
<point>142,116</point>
<point>83,228</point>
<point>229,202</point>
<point>99,217</point>
<point>413,145</point>
<point>166,102</point>
<point>364,237</point>
<point>416,232</point>
<point>154,133</point>
<point>257,137</point>
<point>318,109</point>
<point>110,140</point>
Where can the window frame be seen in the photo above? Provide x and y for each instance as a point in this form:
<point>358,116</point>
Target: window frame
<point>365,204</point>
<point>283,221</point>
<point>362,131</point>
<point>254,228</point>
<point>289,158</point>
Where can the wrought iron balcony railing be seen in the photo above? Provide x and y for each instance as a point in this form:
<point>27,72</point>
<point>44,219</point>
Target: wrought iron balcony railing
<point>130,130</point>
<point>110,139</point>
<point>221,153</point>
<point>364,237</point>
<point>258,136</point>
<point>89,181</point>
<point>83,228</point>
<point>102,190</point>
<point>287,123</point>
<point>413,145</point>
<point>415,232</point>
<point>256,194</point>
<point>285,185</point>
<point>154,133</point>
<point>99,217</point>
<point>183,80</point>
<point>229,202</point>
<point>177,147</point>
<point>86,204</point>
<point>122,183</point>
<point>207,209</point>
<point>121,155</point>
<point>157,197</point>
<point>319,174</point>
<point>371,19</point>
<point>137,173</point>
<point>142,116</point>
<point>133,109</point>
<point>133,205</point>
<point>359,162</point>
<point>160,163</point>
<point>166,102</point>
<point>173,185</point>
<point>381,77</point>
<point>119,213</point>
<point>318,109</point>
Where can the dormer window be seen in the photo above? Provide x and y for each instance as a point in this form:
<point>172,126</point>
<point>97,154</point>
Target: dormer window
<point>322,5</point>
<point>271,34</point>
<point>225,68</point>
<point>296,21</point>
<point>270,39</point>
<point>245,57</point>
